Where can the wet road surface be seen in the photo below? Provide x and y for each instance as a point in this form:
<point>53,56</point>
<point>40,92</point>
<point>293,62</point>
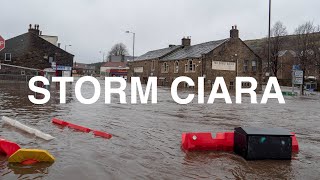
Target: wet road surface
<point>146,138</point>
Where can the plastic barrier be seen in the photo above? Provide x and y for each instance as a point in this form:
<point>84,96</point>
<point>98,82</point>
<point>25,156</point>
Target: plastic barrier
<point>31,156</point>
<point>102,134</point>
<point>8,147</point>
<point>27,129</point>
<point>224,141</point>
<point>205,142</point>
<point>59,122</point>
<point>81,128</point>
<point>295,145</point>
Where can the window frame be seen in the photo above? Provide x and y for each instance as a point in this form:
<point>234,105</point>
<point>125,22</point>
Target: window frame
<point>176,67</point>
<point>254,67</point>
<point>165,67</point>
<point>153,67</point>
<point>190,66</point>
<point>5,57</point>
<point>245,65</point>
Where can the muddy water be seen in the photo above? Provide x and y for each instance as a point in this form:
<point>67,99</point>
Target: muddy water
<point>147,138</point>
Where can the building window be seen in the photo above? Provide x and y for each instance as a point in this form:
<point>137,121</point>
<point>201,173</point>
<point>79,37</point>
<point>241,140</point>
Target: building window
<point>50,59</point>
<point>176,67</point>
<point>190,66</point>
<point>7,56</point>
<point>246,84</point>
<point>254,66</point>
<point>153,65</point>
<point>231,87</point>
<point>165,67</point>
<point>245,66</point>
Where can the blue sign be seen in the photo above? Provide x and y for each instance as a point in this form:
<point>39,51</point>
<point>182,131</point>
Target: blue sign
<point>64,68</point>
<point>296,67</point>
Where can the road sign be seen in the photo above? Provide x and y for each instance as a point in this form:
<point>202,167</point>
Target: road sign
<point>298,74</point>
<point>2,43</point>
<point>298,81</point>
<point>297,77</point>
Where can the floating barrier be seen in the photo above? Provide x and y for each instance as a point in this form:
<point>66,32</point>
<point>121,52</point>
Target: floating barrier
<point>102,134</point>
<point>8,147</point>
<point>295,145</point>
<point>80,128</point>
<point>224,141</point>
<point>70,125</point>
<point>27,129</point>
<point>205,142</point>
<point>31,156</point>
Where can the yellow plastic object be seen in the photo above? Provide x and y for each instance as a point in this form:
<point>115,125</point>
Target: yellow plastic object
<point>31,154</point>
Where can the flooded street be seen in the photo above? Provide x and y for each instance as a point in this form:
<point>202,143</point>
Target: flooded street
<point>146,138</point>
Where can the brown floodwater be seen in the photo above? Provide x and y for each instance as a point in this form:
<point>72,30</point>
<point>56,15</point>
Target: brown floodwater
<point>146,138</point>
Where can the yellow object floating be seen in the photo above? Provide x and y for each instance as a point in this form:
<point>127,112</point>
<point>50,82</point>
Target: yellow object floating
<point>31,154</point>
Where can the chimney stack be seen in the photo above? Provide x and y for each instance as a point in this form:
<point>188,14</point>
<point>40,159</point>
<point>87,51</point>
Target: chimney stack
<point>234,32</point>
<point>186,41</point>
<point>34,30</point>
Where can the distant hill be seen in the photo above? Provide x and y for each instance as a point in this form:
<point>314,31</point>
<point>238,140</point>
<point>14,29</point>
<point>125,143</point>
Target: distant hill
<point>259,45</point>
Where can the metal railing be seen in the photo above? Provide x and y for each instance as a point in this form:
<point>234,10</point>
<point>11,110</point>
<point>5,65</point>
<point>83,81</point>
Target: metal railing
<point>14,78</point>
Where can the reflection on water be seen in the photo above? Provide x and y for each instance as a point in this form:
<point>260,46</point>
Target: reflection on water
<point>147,138</point>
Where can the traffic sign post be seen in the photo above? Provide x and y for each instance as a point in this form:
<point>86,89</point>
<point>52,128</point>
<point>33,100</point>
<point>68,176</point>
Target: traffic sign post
<point>297,79</point>
<point>2,43</point>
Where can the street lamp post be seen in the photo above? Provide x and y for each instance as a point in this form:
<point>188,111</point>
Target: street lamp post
<point>103,55</point>
<point>269,35</point>
<point>133,42</point>
<point>65,47</point>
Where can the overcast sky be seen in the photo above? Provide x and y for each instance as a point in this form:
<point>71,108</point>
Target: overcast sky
<point>91,26</point>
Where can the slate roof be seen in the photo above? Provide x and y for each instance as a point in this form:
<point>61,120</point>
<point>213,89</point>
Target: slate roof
<point>195,51</point>
<point>157,53</point>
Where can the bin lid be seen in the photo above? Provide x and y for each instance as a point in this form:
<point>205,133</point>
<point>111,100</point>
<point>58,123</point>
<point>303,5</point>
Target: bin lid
<point>263,131</point>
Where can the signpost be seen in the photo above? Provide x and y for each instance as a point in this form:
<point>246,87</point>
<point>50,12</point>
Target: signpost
<point>297,77</point>
<point>2,43</point>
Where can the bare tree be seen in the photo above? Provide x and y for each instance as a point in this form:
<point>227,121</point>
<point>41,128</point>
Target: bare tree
<point>305,42</point>
<point>307,47</point>
<point>315,48</point>
<point>118,49</point>
<point>278,33</point>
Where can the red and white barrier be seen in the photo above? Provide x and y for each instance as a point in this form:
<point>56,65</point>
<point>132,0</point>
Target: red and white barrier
<point>80,128</point>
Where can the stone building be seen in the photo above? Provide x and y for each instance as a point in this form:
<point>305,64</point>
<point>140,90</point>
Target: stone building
<point>33,50</point>
<point>227,58</point>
